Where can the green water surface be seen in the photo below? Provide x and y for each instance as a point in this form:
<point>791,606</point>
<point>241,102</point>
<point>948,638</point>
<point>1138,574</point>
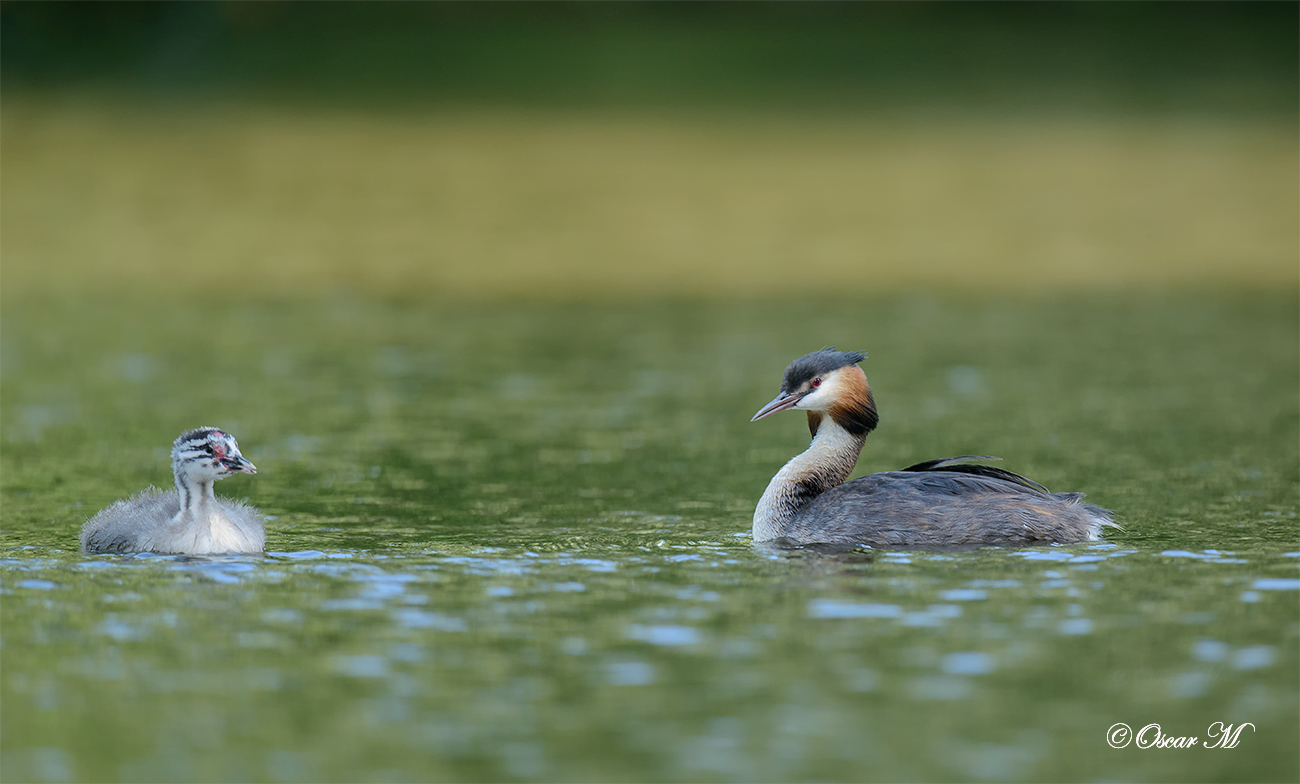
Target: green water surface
<point>510,542</point>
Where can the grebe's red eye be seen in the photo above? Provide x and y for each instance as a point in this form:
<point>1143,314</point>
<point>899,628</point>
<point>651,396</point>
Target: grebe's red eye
<point>817,382</point>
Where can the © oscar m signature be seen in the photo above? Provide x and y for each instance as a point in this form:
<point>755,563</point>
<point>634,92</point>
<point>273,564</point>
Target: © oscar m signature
<point>1152,737</point>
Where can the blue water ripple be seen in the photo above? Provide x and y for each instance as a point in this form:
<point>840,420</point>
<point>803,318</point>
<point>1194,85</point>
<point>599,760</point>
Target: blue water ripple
<point>969,663</point>
<point>668,635</point>
<point>830,608</point>
<point>1276,584</point>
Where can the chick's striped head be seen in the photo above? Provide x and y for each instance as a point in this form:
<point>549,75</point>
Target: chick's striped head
<point>209,453</point>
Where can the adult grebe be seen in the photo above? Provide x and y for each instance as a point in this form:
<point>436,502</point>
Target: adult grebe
<point>936,504</point>
<point>190,521</point>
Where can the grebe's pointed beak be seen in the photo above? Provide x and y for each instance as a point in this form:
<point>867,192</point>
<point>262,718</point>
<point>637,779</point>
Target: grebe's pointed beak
<point>239,464</point>
<point>779,403</point>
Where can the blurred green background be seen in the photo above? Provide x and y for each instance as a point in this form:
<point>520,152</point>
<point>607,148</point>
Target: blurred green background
<point>634,149</point>
<point>489,291</point>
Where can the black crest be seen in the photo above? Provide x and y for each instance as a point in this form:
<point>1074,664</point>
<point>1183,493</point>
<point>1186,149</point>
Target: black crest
<point>818,363</point>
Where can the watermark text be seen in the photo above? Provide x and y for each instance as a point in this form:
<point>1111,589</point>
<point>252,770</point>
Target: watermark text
<point>1218,736</point>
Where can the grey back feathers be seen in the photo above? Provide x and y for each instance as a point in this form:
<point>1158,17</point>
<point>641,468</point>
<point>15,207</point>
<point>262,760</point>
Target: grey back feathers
<point>938,509</point>
<point>960,466</point>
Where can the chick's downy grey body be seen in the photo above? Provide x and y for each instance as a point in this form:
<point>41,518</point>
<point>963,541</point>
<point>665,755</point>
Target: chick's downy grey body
<point>937,504</point>
<point>189,520</point>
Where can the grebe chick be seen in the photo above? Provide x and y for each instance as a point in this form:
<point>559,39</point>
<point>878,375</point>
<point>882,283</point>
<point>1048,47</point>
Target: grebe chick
<point>935,504</point>
<point>190,520</point>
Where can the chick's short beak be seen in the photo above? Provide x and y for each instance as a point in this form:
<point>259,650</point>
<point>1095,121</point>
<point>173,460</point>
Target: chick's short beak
<point>237,463</point>
<point>779,403</point>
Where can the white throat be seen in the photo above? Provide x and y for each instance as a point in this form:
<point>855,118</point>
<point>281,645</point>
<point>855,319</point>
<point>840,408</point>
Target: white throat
<point>209,529</point>
<point>196,495</point>
<point>827,462</point>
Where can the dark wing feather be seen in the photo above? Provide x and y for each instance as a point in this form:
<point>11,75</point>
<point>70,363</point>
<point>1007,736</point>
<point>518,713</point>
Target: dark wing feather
<point>954,465</point>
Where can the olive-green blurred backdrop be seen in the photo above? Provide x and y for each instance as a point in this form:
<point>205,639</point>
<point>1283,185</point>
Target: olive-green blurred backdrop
<point>667,149</point>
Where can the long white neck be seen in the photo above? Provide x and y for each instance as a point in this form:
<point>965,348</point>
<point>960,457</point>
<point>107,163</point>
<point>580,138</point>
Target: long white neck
<point>197,497</point>
<point>826,462</point>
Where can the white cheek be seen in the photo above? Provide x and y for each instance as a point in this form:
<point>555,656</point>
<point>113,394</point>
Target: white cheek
<point>811,402</point>
<point>818,400</point>
<point>822,397</point>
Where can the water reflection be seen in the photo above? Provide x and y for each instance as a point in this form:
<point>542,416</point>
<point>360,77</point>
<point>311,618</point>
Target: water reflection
<point>702,648</point>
